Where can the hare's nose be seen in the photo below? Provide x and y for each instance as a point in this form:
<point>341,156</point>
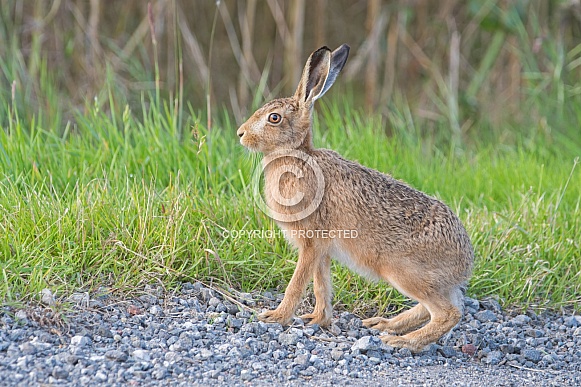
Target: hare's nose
<point>240,132</point>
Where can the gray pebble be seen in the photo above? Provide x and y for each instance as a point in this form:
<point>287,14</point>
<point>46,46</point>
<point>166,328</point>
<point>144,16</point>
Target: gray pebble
<point>214,301</point>
<point>80,341</point>
<point>27,348</point>
<point>472,304</point>
<point>492,304</point>
<point>159,373</point>
<point>521,319</point>
<point>486,316</point>
<point>116,355</point>
<point>206,353</point>
<point>182,344</point>
<point>104,332</point>
<point>549,359</point>
<point>288,339</point>
<point>232,308</point>
<point>100,376</point>
<point>246,375</point>
<point>72,359</point>
<point>234,322</point>
<point>335,330</point>
<point>60,373</point>
<point>172,357</point>
<point>303,359</point>
<point>247,299</point>
<point>448,351</point>
<point>141,355</point>
<point>494,357</point>
<point>572,321</point>
<point>534,333</point>
<point>367,343</point>
<point>336,354</point>
<point>532,355</point>
<point>278,354</point>
<point>404,352</point>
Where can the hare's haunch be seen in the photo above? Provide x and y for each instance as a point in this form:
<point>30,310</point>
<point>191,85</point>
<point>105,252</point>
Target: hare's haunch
<point>330,207</point>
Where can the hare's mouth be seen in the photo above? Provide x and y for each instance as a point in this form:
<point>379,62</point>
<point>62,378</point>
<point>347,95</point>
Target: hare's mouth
<point>251,147</point>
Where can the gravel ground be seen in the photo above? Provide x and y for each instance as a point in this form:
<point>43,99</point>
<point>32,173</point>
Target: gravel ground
<point>200,336</point>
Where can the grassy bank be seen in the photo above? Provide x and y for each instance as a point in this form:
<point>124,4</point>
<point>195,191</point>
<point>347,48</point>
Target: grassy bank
<point>148,196</point>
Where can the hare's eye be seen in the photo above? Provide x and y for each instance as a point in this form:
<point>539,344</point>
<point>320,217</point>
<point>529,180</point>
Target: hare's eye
<point>274,118</point>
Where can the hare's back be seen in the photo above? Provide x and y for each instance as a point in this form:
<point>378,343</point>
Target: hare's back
<point>372,201</point>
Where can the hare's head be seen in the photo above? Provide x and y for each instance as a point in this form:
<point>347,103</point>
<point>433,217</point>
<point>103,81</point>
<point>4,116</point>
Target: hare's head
<point>285,123</point>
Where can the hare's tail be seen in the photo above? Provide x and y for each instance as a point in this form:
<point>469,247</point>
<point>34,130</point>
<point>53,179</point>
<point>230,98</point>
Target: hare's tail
<point>463,287</point>
<point>458,296</point>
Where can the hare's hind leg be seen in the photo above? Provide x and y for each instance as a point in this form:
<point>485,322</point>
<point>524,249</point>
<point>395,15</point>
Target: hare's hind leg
<point>323,294</point>
<point>402,323</point>
<point>445,312</point>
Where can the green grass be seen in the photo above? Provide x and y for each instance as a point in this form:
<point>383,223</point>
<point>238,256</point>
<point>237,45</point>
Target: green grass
<point>130,198</point>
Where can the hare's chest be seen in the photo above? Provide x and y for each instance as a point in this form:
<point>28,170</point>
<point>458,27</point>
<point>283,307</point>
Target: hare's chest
<point>284,191</point>
<point>289,193</point>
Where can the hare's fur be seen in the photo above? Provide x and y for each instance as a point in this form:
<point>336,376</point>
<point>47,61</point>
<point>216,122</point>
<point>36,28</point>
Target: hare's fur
<point>413,241</point>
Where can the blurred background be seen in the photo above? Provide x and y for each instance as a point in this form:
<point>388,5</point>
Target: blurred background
<point>450,62</point>
<point>119,162</point>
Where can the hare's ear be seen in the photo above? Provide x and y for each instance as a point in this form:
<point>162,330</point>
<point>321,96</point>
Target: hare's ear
<point>314,76</point>
<point>338,60</point>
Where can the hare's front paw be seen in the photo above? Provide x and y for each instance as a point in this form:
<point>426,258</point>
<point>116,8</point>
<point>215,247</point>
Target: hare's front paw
<point>320,319</point>
<point>275,316</point>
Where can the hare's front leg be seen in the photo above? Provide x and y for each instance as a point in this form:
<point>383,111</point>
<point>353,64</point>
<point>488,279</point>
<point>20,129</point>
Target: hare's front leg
<point>322,287</point>
<point>308,260</point>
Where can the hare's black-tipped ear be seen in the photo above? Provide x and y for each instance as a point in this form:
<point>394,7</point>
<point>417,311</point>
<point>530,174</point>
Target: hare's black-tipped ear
<point>314,76</point>
<point>338,60</point>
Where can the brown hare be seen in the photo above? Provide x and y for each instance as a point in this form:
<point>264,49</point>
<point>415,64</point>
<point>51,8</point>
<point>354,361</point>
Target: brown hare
<point>381,228</point>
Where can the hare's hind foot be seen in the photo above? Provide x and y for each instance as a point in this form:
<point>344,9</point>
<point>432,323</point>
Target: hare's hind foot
<point>402,323</point>
<point>379,323</point>
<point>443,320</point>
<point>321,319</point>
<point>401,342</point>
